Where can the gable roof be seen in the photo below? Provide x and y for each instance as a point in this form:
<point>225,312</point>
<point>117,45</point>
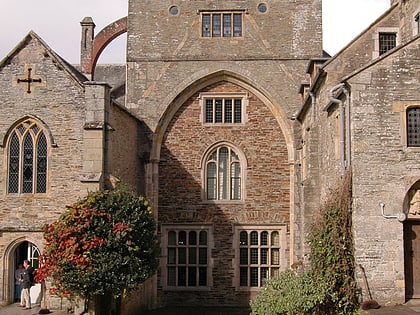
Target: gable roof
<point>73,73</point>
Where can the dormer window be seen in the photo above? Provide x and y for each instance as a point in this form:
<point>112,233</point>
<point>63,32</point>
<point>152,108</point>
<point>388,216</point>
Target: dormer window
<point>221,24</point>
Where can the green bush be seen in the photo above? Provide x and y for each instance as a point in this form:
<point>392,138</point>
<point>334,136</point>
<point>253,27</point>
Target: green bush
<point>291,293</point>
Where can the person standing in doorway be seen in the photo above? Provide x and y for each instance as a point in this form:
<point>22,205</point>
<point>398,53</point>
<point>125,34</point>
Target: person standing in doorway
<point>18,282</point>
<point>25,298</point>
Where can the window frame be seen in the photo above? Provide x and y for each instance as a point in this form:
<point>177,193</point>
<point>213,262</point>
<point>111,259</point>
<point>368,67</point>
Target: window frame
<point>259,265</point>
<point>407,111</point>
<point>28,131</point>
<point>207,96</point>
<point>376,36</point>
<point>241,160</point>
<point>164,265</point>
<point>223,27</point>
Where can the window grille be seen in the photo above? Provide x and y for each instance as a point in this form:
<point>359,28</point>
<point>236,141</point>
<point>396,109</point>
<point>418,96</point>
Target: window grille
<point>387,41</point>
<point>413,127</point>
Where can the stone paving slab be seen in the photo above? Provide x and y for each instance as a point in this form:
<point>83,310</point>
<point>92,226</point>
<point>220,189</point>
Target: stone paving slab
<point>14,309</point>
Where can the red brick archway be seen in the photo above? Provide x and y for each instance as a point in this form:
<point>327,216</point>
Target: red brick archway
<point>101,40</point>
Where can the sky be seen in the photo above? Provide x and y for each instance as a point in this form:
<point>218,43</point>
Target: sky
<point>58,23</point>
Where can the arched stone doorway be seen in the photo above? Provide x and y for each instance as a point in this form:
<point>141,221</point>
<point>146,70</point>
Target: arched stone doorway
<point>412,242</point>
<point>15,254</point>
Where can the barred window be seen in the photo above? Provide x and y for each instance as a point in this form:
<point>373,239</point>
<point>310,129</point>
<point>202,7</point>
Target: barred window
<point>188,254</point>
<point>260,255</point>
<point>387,41</point>
<point>223,175</point>
<point>413,127</point>
<point>27,167</point>
<point>221,24</point>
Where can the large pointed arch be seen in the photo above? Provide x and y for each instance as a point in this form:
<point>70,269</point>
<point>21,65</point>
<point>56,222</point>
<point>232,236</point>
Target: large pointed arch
<point>200,80</point>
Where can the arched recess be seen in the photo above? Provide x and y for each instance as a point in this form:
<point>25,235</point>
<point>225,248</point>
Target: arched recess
<point>104,37</point>
<point>411,208</point>
<point>185,90</point>
<point>9,263</point>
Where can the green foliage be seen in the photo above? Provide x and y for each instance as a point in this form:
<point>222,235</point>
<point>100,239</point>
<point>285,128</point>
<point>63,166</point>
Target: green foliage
<point>328,287</point>
<point>103,243</point>
<point>331,243</point>
<point>291,294</point>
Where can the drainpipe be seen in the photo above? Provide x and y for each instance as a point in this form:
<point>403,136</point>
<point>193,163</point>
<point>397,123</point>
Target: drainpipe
<point>312,95</point>
<point>348,139</point>
<point>341,111</point>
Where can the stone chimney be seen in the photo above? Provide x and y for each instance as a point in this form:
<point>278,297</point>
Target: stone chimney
<point>86,44</point>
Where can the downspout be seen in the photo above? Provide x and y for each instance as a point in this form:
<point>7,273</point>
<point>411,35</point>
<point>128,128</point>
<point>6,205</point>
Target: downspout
<point>348,139</point>
<point>341,112</point>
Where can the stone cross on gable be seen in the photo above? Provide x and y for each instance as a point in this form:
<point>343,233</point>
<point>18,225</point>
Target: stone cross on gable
<point>29,79</point>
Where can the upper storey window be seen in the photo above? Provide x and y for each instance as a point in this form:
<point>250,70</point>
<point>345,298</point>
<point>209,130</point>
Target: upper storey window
<point>387,41</point>
<point>27,160</point>
<point>223,108</point>
<point>221,24</point>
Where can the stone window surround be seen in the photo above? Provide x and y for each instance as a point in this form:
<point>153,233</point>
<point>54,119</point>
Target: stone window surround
<point>203,167</point>
<point>281,228</point>
<point>245,102</point>
<point>375,37</point>
<point>221,12</point>
<point>49,144</point>
<point>165,228</point>
<point>401,107</point>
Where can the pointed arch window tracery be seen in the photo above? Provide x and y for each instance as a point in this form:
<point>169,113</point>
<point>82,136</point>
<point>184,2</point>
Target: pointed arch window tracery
<point>27,159</point>
<point>224,174</point>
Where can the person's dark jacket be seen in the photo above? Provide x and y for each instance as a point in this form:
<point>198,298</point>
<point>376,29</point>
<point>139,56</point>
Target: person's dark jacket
<point>26,276</point>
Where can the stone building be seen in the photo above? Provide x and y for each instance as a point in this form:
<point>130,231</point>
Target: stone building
<point>206,120</point>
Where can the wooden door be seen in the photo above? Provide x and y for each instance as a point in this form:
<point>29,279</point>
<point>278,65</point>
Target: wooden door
<point>412,259</point>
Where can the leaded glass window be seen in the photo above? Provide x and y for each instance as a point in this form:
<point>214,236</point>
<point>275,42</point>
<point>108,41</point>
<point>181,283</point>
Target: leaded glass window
<point>27,168</point>
<point>223,175</point>
<point>221,24</point>
<point>259,256</point>
<point>187,257</point>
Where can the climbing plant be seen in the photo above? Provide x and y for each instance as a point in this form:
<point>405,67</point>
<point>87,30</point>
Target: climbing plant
<point>328,286</point>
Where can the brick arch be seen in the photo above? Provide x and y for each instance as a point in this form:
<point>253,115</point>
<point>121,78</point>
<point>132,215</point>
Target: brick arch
<point>104,37</point>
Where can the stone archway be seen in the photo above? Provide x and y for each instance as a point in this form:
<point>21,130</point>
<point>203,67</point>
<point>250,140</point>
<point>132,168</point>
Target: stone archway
<point>412,242</point>
<point>18,250</point>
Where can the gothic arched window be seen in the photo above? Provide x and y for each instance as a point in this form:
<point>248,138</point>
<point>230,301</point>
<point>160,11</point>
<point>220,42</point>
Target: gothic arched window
<point>223,174</point>
<point>27,164</point>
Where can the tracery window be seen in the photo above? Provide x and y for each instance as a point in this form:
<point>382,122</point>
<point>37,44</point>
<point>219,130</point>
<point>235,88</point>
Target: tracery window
<point>223,174</point>
<point>27,159</point>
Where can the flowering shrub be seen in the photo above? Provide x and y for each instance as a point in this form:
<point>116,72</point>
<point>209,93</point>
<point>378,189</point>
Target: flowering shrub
<point>103,243</point>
